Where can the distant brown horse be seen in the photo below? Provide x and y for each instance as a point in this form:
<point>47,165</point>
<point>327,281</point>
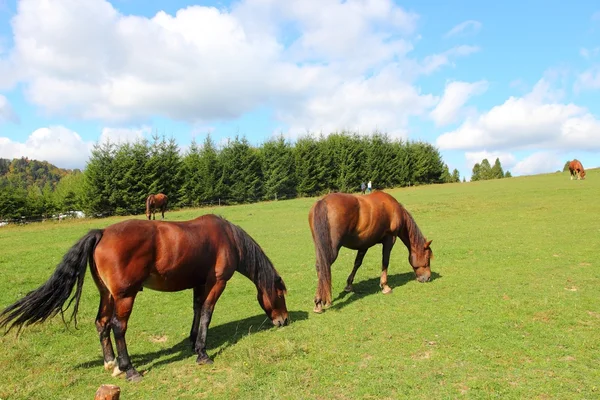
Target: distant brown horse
<point>576,169</point>
<point>358,223</point>
<point>201,254</point>
<point>156,202</point>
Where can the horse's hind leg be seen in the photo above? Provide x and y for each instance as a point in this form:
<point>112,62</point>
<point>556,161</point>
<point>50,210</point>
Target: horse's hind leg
<point>388,243</point>
<point>121,315</point>
<point>360,255</point>
<point>103,320</point>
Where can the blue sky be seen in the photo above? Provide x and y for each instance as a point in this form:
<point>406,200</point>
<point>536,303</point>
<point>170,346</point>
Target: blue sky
<point>515,80</point>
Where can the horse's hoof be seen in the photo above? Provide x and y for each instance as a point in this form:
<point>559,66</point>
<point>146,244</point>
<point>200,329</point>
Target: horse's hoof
<point>318,309</point>
<point>327,305</point>
<point>116,371</point>
<point>348,289</point>
<point>133,376</point>
<point>108,365</point>
<point>386,290</point>
<point>204,360</point>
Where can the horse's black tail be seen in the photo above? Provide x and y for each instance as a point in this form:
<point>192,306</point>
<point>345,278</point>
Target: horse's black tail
<point>324,250</point>
<point>47,300</point>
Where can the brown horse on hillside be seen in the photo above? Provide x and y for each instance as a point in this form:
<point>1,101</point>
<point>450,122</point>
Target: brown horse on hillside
<point>576,169</point>
<point>358,223</point>
<point>156,202</point>
<point>201,254</point>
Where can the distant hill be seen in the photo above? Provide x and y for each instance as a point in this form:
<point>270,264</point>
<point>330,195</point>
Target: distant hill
<point>23,172</point>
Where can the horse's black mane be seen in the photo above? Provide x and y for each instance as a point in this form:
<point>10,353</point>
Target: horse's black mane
<point>413,230</point>
<point>254,263</point>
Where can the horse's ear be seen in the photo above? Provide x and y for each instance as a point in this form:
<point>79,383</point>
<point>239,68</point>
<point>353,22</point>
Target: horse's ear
<point>427,244</point>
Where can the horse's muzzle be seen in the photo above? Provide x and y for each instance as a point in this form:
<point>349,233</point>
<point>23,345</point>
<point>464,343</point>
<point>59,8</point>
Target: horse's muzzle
<point>424,279</point>
<point>280,321</point>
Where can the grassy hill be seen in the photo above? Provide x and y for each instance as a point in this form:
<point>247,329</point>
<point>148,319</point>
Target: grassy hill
<point>513,310</point>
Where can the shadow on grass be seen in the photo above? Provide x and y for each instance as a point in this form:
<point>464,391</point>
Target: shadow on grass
<point>219,337</point>
<point>371,286</point>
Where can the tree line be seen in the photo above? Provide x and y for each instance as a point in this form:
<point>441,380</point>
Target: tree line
<point>485,171</point>
<point>119,176</point>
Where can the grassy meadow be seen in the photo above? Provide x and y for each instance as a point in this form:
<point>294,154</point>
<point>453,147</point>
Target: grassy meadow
<point>513,310</point>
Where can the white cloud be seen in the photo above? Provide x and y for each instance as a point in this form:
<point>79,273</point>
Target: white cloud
<point>434,62</point>
<point>357,104</point>
<point>588,80</point>
<point>589,53</point>
<point>84,59</point>
<point>534,121</point>
<point>6,111</point>
<point>508,160</point>
<point>466,27</point>
<point>537,163</point>
<point>455,96</point>
<point>57,145</point>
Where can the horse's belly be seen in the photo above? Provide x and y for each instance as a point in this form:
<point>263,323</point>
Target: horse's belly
<point>171,283</point>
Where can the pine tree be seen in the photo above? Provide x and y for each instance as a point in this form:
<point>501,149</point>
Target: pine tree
<point>191,188</point>
<point>476,173</point>
<point>277,159</point>
<point>486,170</point>
<point>455,175</point>
<point>98,185</point>
<point>497,172</point>
<point>305,153</point>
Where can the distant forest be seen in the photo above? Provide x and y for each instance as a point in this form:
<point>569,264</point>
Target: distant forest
<point>118,177</point>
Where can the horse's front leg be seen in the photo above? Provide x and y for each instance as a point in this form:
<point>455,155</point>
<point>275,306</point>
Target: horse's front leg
<point>360,255</point>
<point>212,294</point>
<point>388,244</point>
<point>123,307</point>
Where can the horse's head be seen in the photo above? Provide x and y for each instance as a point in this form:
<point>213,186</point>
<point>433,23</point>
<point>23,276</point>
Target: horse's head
<point>419,258</point>
<point>582,174</point>
<point>274,304</point>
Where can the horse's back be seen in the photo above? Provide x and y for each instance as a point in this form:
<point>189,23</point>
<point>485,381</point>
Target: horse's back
<point>358,221</point>
<point>166,256</point>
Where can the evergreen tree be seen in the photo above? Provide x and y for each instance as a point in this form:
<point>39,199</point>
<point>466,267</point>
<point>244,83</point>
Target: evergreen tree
<point>497,172</point>
<point>98,179</point>
<point>210,172</point>
<point>305,154</point>
<point>476,173</point>
<point>348,157</point>
<point>486,170</point>
<point>241,174</point>
<point>446,177</point>
<point>191,188</point>
<point>455,175</point>
<point>508,174</point>
<point>278,169</point>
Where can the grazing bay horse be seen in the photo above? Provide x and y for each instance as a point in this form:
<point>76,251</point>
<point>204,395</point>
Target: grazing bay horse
<point>201,254</point>
<point>358,223</point>
<point>156,202</point>
<point>576,169</point>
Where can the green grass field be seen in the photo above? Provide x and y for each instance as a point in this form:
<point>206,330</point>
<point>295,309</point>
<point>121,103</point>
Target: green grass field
<point>513,311</point>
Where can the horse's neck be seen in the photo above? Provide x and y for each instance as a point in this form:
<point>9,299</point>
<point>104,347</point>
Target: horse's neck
<point>407,232</point>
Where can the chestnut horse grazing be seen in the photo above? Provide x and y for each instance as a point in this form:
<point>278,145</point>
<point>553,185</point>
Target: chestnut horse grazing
<point>576,169</point>
<point>358,223</point>
<point>156,202</point>
<point>201,254</point>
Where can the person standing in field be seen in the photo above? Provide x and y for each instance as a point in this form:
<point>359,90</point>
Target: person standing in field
<point>369,187</point>
<point>363,187</point>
